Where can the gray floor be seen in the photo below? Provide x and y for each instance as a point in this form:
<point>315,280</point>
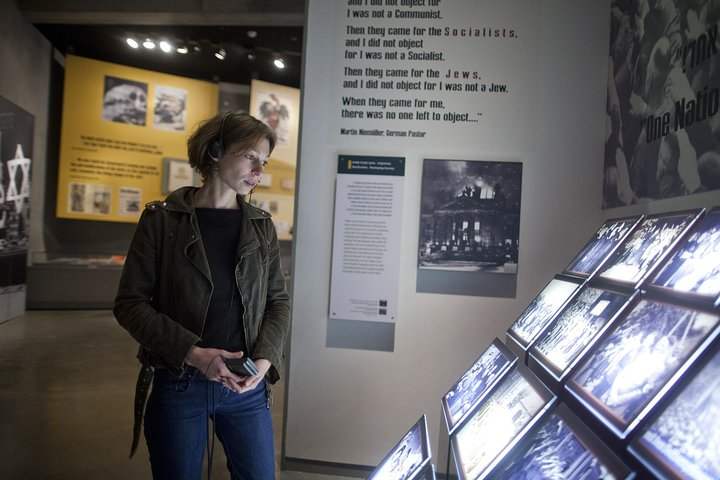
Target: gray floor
<point>67,382</point>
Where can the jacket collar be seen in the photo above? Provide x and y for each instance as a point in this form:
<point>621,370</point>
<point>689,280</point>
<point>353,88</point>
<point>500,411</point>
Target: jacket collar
<point>182,200</point>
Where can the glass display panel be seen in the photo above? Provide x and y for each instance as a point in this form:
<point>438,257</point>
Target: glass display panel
<point>606,239</point>
<point>684,441</point>
<point>555,451</point>
<point>476,382</point>
<point>510,410</point>
<point>408,457</point>
<point>576,327</point>
<point>646,246</point>
<point>621,378</point>
<point>541,311</point>
<point>695,267</point>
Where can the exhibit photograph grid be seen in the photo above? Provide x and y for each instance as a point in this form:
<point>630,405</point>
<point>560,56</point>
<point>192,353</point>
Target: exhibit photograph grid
<point>408,458</point>
<point>540,313</point>
<point>498,423</point>
<point>693,270</point>
<point>639,360</point>
<point>601,246</point>
<point>575,329</point>
<point>646,247</point>
<point>476,382</point>
<point>683,439</point>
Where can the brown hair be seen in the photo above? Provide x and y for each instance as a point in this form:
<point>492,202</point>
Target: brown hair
<point>240,130</point>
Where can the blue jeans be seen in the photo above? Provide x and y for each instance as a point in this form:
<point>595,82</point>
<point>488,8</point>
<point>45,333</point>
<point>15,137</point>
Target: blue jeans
<point>176,427</point>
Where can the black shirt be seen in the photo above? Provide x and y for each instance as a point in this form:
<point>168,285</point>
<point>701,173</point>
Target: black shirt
<point>220,232</point>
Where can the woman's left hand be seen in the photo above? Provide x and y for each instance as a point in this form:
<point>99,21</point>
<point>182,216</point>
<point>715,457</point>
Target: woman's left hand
<point>244,384</point>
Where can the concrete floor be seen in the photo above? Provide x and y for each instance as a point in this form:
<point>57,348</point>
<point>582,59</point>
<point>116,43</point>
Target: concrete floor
<point>67,381</point>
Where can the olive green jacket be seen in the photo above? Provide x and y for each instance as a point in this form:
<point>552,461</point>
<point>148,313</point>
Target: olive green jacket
<point>165,287</point>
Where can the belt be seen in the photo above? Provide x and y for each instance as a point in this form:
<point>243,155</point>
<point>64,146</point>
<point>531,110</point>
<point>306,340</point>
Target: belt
<point>142,388</point>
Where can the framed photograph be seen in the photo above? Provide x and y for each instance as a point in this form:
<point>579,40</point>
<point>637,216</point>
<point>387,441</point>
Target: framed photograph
<point>470,216</point>
<point>408,458</point>
<point>124,101</point>
<point>683,441</point>
<point>639,360</point>
<point>694,269</point>
<point>601,245</point>
<point>539,313</point>
<point>576,327</point>
<point>498,423</point>
<point>561,446</point>
<point>476,382</point>
<point>646,247</point>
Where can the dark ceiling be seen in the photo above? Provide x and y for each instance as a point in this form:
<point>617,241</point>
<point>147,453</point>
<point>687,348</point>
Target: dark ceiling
<point>97,29</point>
<point>247,57</point>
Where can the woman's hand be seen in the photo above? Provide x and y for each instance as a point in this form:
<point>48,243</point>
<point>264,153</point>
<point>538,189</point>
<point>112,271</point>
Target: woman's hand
<point>209,361</point>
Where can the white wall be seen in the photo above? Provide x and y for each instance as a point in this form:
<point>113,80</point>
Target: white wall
<point>350,406</point>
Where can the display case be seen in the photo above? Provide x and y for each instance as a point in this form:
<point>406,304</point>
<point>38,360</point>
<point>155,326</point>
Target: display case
<point>498,423</point>
<point>539,314</point>
<point>692,272</point>
<point>601,246</point>
<point>576,328</point>
<point>683,439</point>
<point>561,446</point>
<point>640,358</point>
<point>476,382</point>
<point>648,244</point>
<point>409,458</point>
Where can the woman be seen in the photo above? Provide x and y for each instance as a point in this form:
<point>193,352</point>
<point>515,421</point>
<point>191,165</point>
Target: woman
<point>202,283</point>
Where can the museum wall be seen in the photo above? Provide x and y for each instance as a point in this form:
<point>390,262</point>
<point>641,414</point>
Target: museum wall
<point>364,400</point>
<point>24,80</point>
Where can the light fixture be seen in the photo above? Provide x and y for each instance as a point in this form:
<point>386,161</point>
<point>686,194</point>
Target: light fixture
<point>182,49</point>
<point>132,42</point>
<point>220,53</point>
<point>279,63</point>
<point>149,43</point>
<point>251,56</point>
<point>165,46</point>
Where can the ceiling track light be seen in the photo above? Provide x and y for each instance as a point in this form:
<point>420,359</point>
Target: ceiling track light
<point>132,43</point>
<point>165,46</point>
<point>220,53</point>
<point>149,43</point>
<point>279,62</point>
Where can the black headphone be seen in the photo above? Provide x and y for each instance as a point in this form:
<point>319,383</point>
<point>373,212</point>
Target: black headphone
<point>216,147</point>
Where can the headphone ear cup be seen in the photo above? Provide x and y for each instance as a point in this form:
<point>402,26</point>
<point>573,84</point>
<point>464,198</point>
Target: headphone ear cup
<point>215,149</point>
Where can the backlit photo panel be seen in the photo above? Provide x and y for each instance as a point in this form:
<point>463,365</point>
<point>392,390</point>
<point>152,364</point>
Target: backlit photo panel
<point>622,379</point>
<point>541,311</point>
<point>684,440</point>
<point>475,383</point>
<point>556,451</point>
<point>500,420</point>
<point>408,457</point>
<point>694,269</point>
<point>601,245</point>
<point>576,327</point>
<point>645,247</point>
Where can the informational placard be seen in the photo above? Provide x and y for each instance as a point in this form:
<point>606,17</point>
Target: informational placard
<point>118,125</point>
<point>416,72</point>
<point>366,238</point>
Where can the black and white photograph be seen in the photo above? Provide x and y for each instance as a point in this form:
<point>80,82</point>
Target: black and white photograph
<point>407,457</point>
<point>605,240</point>
<point>541,311</point>
<point>512,408</point>
<point>470,216</point>
<point>662,131</point>
<point>646,247</point>
<point>684,440</point>
<point>125,101</point>
<point>476,382</point>
<point>631,366</point>
<point>576,326</point>
<point>554,453</point>
<point>695,267</point>
<point>169,108</point>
